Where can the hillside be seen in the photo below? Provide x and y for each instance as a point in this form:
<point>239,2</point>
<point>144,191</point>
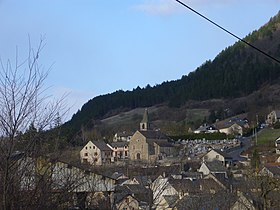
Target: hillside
<point>235,75</point>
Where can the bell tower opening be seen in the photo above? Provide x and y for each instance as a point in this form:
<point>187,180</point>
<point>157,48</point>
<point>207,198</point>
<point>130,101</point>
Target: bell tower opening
<point>144,124</point>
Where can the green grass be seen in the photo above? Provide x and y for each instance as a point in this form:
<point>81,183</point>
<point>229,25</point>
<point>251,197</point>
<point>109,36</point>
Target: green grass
<point>267,137</point>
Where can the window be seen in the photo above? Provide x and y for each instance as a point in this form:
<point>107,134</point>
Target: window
<point>93,147</point>
<point>138,156</point>
<point>86,147</point>
<point>217,156</point>
<point>125,153</point>
<point>89,147</point>
<point>95,154</point>
<point>86,154</point>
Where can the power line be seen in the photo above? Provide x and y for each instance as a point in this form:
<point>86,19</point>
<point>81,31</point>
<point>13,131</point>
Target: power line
<point>227,31</point>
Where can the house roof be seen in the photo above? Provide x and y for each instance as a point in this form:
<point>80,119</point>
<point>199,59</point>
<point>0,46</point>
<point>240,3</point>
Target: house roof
<point>116,175</point>
<point>226,125</point>
<point>101,145</point>
<point>209,184</point>
<point>119,144</point>
<point>154,135</point>
<point>163,143</point>
<point>193,175</point>
<point>215,166</point>
<point>274,169</point>
<point>206,128</point>
<point>80,167</point>
<point>185,185</point>
<point>139,192</point>
<point>224,154</point>
<point>143,180</point>
<point>241,121</point>
<point>221,201</point>
<point>171,200</point>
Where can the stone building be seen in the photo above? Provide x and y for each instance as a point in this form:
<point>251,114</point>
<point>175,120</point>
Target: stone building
<point>273,117</point>
<point>96,153</point>
<point>149,145</point>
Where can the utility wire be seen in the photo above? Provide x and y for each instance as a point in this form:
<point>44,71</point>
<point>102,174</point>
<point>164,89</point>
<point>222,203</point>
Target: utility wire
<point>227,31</point>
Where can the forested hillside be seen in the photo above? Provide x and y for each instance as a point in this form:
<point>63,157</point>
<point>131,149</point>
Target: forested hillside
<point>236,72</point>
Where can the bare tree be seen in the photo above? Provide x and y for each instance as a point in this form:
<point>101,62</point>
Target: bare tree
<point>23,102</point>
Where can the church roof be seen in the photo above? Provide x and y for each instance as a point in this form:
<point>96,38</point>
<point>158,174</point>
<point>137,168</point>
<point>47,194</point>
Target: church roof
<point>154,135</point>
<point>145,117</point>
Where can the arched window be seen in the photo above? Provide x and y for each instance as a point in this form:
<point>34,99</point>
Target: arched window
<point>138,156</point>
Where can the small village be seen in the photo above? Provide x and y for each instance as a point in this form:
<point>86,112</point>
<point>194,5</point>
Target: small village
<point>140,105</point>
<point>148,170</point>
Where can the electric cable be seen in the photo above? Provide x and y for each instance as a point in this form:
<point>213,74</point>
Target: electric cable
<point>227,31</point>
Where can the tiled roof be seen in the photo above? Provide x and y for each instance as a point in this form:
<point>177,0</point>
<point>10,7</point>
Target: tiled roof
<point>206,128</point>
<point>139,192</point>
<point>215,166</point>
<point>221,201</point>
<point>226,125</point>
<point>171,200</point>
<point>102,145</point>
<point>163,143</point>
<point>154,135</point>
<point>207,185</point>
<point>143,180</point>
<point>274,169</point>
<point>224,154</point>
<point>185,185</point>
<point>119,144</point>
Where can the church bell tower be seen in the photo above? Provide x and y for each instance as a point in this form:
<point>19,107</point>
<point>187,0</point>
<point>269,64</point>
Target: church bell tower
<point>144,124</point>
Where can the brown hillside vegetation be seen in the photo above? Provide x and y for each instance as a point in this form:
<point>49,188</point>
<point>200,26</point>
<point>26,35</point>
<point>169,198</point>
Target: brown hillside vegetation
<point>193,113</point>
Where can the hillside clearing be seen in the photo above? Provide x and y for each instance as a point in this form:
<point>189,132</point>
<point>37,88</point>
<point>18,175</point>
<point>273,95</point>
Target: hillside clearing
<point>267,136</point>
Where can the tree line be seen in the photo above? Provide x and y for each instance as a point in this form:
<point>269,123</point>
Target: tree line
<point>236,71</point>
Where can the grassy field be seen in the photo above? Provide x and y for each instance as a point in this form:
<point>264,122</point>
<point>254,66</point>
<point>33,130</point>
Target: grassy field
<point>267,136</point>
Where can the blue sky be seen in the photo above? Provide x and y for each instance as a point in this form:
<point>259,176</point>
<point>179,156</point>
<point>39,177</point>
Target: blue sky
<point>97,47</point>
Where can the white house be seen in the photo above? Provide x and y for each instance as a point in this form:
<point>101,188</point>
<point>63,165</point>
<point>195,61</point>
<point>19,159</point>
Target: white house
<point>214,167</point>
<point>217,155</point>
<point>231,128</point>
<point>96,153</point>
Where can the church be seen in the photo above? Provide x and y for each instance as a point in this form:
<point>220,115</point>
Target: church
<point>150,145</point>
